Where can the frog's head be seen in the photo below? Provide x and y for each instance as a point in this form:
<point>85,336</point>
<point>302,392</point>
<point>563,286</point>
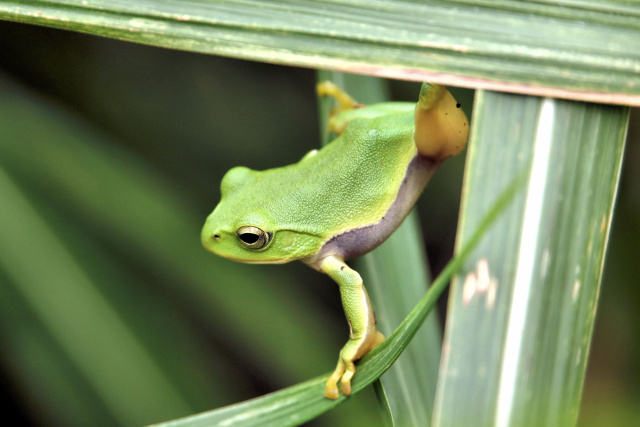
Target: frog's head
<point>243,227</point>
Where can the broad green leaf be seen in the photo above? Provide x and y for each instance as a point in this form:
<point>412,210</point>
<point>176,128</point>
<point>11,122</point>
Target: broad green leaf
<point>521,313</point>
<point>581,49</point>
<point>396,275</point>
<point>297,404</point>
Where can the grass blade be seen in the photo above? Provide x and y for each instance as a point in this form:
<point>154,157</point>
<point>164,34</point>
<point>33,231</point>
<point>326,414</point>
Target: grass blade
<point>398,277</point>
<point>586,49</point>
<point>383,404</point>
<point>520,318</point>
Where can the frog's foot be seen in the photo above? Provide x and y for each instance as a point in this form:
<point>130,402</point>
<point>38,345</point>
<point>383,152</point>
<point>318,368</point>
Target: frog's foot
<point>352,351</point>
<point>345,103</point>
<point>328,88</point>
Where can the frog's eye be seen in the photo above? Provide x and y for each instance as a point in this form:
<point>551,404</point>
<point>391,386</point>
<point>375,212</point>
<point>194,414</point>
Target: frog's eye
<point>253,237</point>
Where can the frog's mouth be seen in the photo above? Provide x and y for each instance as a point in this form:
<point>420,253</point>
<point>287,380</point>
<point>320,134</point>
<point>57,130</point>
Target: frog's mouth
<point>222,254</point>
<point>254,261</point>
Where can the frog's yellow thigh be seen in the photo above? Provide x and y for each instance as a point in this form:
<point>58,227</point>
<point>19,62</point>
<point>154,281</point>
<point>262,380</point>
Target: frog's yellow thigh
<point>442,129</point>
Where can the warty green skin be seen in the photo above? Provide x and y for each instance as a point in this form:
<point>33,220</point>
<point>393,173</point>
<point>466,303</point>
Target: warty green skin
<point>349,184</point>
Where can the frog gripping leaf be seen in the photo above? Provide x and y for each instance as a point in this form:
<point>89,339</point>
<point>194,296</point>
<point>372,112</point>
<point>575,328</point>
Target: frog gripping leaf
<point>340,202</point>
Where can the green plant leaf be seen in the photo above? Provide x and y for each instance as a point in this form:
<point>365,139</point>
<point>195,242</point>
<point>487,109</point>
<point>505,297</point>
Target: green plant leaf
<point>521,313</point>
<point>383,404</point>
<point>61,294</point>
<point>581,49</point>
<point>297,404</point>
<point>38,363</point>
<point>397,275</point>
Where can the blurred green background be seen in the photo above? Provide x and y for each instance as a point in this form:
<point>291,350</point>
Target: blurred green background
<point>111,313</point>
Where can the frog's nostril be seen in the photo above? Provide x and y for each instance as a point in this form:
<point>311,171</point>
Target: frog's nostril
<point>216,236</point>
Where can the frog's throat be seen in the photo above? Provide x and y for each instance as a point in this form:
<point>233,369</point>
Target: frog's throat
<point>361,240</point>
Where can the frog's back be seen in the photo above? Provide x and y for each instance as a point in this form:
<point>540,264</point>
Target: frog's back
<point>355,178</point>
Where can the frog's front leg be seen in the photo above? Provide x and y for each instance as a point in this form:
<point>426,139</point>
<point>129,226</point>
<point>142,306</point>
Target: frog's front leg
<point>363,336</point>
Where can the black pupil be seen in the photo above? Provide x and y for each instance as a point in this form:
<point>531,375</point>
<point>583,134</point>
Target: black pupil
<point>249,237</point>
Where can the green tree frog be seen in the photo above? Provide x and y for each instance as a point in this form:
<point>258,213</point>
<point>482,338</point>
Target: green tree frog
<point>341,201</point>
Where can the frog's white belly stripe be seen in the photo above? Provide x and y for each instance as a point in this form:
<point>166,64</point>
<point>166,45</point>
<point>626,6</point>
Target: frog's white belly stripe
<point>359,241</point>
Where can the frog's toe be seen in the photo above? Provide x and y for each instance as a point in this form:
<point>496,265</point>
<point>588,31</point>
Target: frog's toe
<point>331,390</point>
<point>345,382</point>
<point>331,386</point>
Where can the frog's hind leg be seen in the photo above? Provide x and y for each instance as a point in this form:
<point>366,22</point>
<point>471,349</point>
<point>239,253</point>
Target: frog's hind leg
<point>363,336</point>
